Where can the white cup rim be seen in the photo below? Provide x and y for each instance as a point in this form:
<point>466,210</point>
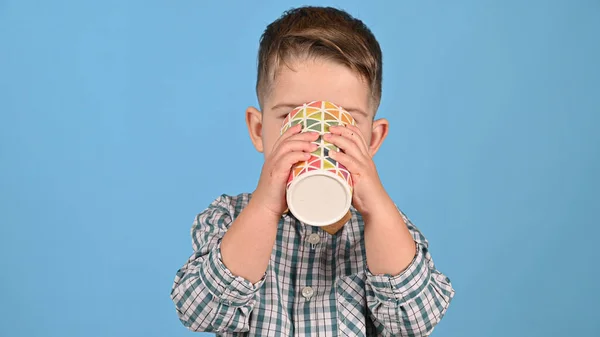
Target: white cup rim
<point>322,172</point>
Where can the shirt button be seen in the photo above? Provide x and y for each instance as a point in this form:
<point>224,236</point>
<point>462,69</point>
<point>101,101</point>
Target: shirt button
<point>307,292</point>
<point>314,238</point>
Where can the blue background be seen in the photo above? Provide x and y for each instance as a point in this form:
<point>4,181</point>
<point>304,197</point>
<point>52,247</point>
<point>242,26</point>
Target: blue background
<point>121,120</point>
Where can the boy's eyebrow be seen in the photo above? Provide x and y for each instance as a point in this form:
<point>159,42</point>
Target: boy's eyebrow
<point>289,106</point>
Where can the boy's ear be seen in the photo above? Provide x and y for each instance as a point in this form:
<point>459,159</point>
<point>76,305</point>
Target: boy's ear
<point>254,123</point>
<point>378,135</point>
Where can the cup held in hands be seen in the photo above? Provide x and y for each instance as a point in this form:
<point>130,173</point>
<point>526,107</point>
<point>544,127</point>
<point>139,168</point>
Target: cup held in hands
<point>319,190</point>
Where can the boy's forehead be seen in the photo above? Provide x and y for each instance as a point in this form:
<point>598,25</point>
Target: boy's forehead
<point>308,81</point>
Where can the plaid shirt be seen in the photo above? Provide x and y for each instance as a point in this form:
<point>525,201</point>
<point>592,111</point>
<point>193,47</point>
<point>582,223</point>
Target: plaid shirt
<point>316,284</point>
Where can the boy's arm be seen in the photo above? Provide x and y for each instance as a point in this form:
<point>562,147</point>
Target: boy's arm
<point>405,298</point>
<point>246,247</point>
<point>410,302</point>
<point>208,295</point>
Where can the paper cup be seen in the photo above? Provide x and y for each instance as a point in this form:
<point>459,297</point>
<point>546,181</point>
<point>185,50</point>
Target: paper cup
<point>319,190</point>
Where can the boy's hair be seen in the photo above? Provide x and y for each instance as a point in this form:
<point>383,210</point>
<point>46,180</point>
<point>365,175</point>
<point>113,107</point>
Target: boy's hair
<point>322,33</point>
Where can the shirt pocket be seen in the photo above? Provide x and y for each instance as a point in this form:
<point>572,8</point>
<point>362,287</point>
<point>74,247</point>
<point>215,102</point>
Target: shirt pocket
<point>351,305</point>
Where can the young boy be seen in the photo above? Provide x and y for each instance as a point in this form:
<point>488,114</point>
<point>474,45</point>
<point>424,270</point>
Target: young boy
<point>258,271</point>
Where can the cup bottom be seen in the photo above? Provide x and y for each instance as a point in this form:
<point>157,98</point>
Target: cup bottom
<point>319,198</point>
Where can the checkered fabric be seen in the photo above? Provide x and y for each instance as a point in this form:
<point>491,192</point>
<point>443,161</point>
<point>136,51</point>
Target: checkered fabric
<point>322,289</point>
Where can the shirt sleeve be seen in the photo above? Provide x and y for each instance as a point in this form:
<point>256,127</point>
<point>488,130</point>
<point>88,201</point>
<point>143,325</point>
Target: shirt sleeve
<point>207,296</point>
<point>412,302</point>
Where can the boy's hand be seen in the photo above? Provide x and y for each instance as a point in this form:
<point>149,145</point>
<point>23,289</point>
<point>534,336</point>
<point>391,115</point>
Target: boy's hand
<point>291,147</point>
<point>368,190</point>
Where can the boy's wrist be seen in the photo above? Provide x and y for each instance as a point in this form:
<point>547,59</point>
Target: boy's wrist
<point>380,206</point>
<point>257,210</point>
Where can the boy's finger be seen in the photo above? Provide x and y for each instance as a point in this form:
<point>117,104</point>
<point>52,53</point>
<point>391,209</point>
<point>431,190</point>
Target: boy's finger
<point>346,144</point>
<point>304,136</point>
<point>357,132</point>
<point>295,146</point>
<point>352,133</point>
<point>287,134</point>
<point>349,161</point>
<point>291,158</point>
